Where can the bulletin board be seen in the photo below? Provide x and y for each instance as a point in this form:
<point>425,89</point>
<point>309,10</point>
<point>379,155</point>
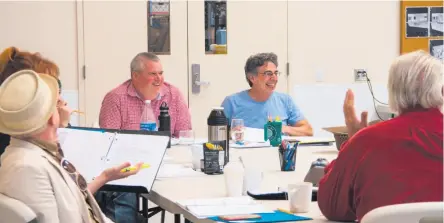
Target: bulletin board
<point>422,27</point>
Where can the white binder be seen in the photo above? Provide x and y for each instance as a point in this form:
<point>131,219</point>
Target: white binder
<point>94,150</point>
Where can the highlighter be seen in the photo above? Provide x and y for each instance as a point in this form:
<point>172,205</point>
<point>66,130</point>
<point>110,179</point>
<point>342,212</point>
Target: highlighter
<point>132,168</point>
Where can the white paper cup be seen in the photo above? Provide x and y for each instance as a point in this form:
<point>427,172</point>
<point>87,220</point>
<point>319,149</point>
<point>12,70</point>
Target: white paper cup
<point>233,185</point>
<point>299,196</point>
<point>197,155</point>
<point>234,176</point>
<point>252,180</point>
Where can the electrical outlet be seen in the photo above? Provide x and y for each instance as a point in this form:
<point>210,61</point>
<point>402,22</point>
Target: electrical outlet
<point>360,75</point>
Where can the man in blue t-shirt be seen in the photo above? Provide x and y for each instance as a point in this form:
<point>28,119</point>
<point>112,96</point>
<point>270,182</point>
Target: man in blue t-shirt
<point>258,103</point>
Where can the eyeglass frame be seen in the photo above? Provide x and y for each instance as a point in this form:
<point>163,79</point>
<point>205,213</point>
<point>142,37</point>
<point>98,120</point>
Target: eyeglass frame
<point>72,172</point>
<point>270,73</point>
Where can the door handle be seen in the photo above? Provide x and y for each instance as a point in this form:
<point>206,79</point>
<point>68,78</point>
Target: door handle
<point>196,83</point>
<point>202,83</point>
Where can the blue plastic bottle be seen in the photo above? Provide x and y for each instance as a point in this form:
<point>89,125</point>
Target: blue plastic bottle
<point>148,120</point>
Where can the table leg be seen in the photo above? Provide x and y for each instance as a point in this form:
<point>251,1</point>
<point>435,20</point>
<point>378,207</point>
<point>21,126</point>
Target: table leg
<point>138,205</point>
<point>162,217</point>
<point>176,218</point>
<point>145,208</point>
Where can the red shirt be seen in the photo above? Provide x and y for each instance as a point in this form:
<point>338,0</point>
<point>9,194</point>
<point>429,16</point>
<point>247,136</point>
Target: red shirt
<point>392,162</point>
<point>122,108</point>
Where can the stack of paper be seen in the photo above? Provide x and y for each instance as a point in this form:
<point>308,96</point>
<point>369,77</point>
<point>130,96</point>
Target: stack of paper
<point>253,138</point>
<point>254,135</point>
<point>309,139</point>
<point>251,145</point>
<point>204,208</point>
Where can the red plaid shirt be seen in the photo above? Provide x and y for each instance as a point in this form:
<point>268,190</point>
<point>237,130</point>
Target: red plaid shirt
<point>122,108</point>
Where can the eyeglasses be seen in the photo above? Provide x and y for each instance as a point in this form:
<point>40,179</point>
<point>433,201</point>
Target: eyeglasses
<point>78,179</point>
<point>270,73</point>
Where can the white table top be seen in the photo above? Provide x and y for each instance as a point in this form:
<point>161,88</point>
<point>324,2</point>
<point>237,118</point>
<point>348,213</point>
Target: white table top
<point>166,192</point>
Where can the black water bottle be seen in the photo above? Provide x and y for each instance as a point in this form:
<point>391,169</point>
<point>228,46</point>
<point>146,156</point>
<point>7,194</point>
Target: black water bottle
<point>164,118</point>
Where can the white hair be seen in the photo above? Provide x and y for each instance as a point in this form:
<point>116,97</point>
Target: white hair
<point>137,62</point>
<point>415,81</point>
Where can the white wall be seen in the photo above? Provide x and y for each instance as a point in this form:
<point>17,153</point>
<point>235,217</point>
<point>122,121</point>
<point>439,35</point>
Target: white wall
<point>328,39</point>
<point>48,27</point>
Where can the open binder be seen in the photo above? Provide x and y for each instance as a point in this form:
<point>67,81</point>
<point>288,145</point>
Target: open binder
<point>93,150</point>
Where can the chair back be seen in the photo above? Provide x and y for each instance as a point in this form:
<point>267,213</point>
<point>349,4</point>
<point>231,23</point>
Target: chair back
<point>421,212</point>
<point>15,211</point>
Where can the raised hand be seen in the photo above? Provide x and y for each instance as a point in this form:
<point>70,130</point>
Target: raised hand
<point>351,120</point>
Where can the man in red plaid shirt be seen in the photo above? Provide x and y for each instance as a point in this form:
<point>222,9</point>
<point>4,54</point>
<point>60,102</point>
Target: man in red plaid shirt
<point>123,106</point>
<point>122,109</point>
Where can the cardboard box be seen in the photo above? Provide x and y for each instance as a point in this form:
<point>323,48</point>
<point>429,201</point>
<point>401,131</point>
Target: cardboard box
<point>341,134</point>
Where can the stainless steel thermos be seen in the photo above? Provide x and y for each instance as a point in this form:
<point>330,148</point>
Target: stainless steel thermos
<point>218,129</point>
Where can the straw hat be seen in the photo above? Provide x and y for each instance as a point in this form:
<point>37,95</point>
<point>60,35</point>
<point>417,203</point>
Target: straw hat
<point>27,101</point>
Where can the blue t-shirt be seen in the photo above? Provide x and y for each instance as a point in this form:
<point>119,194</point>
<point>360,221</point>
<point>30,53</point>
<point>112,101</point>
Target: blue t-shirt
<point>255,114</point>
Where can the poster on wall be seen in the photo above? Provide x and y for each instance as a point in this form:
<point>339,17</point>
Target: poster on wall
<point>436,25</point>
<point>436,48</point>
<point>417,22</point>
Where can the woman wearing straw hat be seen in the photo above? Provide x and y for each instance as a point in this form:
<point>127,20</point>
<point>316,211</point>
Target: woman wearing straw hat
<point>33,168</point>
<point>395,161</point>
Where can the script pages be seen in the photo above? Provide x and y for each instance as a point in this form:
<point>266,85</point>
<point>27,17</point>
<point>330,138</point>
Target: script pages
<point>132,148</point>
<point>92,152</point>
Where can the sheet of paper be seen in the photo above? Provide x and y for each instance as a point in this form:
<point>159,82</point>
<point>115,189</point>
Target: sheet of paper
<point>176,141</point>
<point>177,170</point>
<point>285,189</point>
<point>85,149</point>
<point>251,145</point>
<point>209,211</point>
<point>309,139</point>
<point>135,148</point>
<point>207,207</point>
<point>254,135</point>
<point>262,192</point>
<point>217,201</point>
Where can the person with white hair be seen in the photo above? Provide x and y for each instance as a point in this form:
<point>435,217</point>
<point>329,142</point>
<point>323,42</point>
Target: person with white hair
<point>33,168</point>
<point>395,161</point>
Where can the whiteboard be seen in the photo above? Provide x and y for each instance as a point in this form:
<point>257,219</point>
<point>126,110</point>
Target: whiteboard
<point>322,103</point>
